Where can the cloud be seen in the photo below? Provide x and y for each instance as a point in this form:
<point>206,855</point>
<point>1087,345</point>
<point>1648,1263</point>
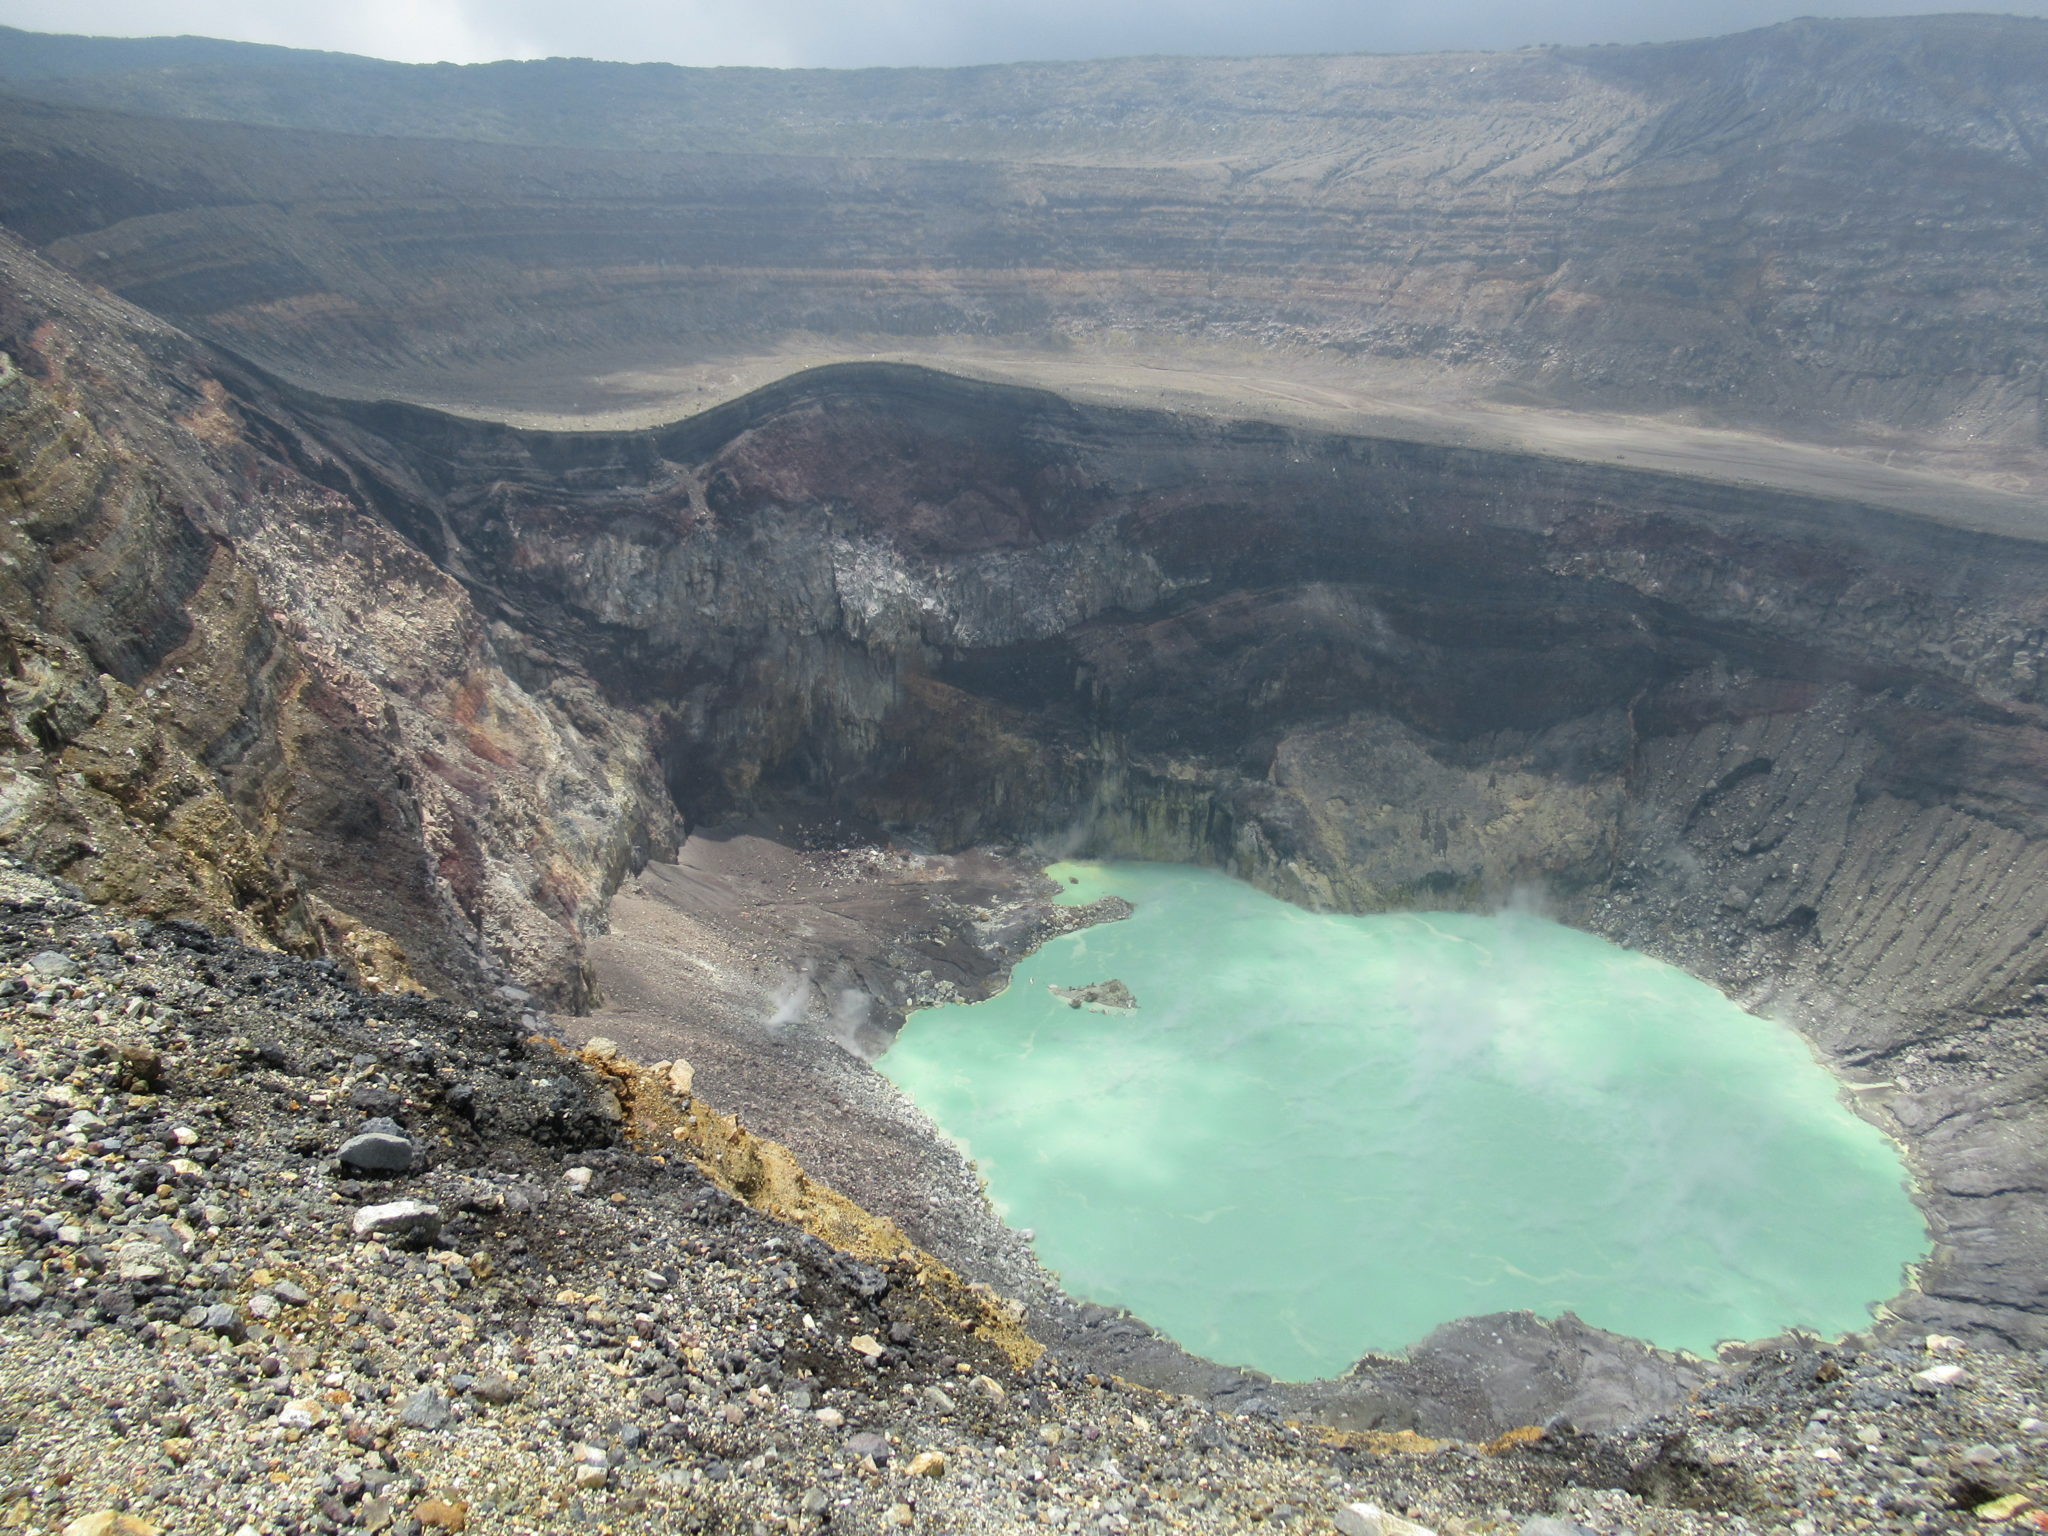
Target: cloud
<point>930,32</point>
<point>416,31</point>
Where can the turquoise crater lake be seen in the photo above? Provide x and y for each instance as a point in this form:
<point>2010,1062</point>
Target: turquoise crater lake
<point>1321,1135</point>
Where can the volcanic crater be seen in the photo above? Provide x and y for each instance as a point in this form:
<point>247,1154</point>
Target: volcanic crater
<point>804,683</point>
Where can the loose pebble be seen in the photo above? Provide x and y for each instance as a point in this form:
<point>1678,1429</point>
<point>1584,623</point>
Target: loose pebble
<point>1936,1377</point>
<point>409,1221</point>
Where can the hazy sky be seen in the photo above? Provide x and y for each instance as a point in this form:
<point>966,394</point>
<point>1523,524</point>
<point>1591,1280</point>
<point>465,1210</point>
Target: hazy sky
<point>854,32</point>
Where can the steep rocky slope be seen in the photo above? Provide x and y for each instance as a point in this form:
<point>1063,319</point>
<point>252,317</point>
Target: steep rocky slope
<point>1828,229</point>
<point>240,696</point>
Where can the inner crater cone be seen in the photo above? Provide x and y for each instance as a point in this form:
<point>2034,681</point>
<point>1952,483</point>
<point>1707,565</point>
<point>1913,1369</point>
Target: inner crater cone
<point>1315,1136</point>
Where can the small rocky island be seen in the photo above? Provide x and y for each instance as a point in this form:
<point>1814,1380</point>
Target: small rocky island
<point>1110,996</point>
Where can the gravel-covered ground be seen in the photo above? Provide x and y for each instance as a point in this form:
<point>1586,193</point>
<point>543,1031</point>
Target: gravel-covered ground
<point>203,1331</point>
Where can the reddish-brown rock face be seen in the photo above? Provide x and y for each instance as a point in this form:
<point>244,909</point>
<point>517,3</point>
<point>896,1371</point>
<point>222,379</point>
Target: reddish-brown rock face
<point>238,696</point>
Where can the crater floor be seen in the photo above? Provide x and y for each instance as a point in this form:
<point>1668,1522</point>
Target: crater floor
<point>744,957</point>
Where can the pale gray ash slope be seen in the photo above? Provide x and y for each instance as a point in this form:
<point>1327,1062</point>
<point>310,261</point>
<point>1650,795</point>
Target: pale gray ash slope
<point>1826,229</point>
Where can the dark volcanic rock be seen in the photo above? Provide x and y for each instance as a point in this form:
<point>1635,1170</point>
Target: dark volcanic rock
<point>379,1147</point>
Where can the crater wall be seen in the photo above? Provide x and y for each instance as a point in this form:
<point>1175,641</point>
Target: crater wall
<point>239,693</point>
<point>1374,671</point>
<point>1824,229</point>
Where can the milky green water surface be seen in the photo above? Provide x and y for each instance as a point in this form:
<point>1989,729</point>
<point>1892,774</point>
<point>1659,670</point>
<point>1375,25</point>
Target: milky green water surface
<point>1320,1135</point>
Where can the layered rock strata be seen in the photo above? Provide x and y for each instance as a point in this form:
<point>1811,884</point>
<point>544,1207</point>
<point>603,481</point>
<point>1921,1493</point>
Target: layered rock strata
<point>1825,228</point>
<point>237,694</point>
